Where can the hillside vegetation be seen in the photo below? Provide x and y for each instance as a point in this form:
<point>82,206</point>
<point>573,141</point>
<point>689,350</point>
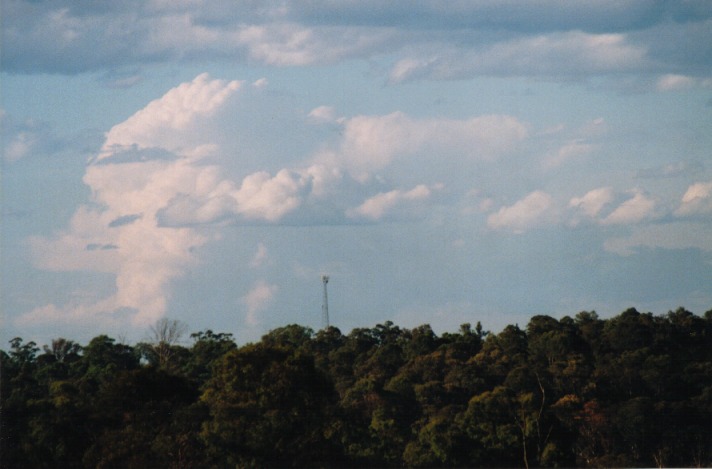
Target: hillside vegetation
<point>632,390</point>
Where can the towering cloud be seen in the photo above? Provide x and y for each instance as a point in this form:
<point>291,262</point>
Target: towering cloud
<point>145,163</point>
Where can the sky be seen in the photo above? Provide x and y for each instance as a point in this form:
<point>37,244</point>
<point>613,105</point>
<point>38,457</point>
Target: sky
<point>443,162</point>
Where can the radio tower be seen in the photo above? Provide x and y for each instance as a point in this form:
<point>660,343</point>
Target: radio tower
<point>325,304</point>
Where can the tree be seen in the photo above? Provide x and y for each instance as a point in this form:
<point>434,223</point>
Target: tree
<point>490,422</point>
<point>162,346</point>
<point>18,388</point>
<point>270,406</point>
<point>207,349</point>
<point>103,358</point>
<point>634,389</point>
<point>137,421</point>
<point>58,361</point>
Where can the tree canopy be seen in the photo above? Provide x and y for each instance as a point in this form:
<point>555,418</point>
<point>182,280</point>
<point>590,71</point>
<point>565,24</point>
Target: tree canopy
<point>632,390</point>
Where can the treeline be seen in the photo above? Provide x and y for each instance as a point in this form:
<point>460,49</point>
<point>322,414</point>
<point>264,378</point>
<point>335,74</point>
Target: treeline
<point>633,390</point>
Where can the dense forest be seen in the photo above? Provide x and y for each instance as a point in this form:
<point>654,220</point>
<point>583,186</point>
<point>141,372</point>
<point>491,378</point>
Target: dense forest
<point>632,390</point>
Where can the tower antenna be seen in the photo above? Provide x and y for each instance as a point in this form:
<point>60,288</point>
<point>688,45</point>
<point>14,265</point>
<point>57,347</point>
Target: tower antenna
<point>325,304</point>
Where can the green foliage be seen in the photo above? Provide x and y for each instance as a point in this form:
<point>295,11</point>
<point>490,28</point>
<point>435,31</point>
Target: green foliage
<point>269,407</point>
<point>632,390</point>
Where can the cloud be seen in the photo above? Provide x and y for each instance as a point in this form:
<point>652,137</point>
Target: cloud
<point>549,38</point>
<point>257,299</point>
<point>371,143</point>
<point>542,15</point>
<point>127,196</point>
<point>677,235</point>
<point>263,197</point>
<point>380,204</point>
<point>291,44</point>
<point>260,83</point>
<point>162,122</point>
<point>606,207</point>
<point>158,193</point>
<point>697,200</point>
<point>592,203</point>
<point>325,189</point>
<point>536,209</point>
<point>558,54</point>
<point>124,220</point>
<point>572,144</point>
<point>680,168</point>
<point>570,150</point>
<point>122,81</point>
<point>634,210</point>
<point>95,246</point>
<point>672,82</point>
<point>77,312</point>
<point>25,138</point>
<point>323,114</point>
<point>260,256</point>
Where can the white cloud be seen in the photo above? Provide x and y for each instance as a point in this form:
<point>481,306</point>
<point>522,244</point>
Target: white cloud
<point>634,210</point>
<point>671,82</point>
<point>68,250</point>
<point>282,44</point>
<point>546,54</point>
<point>379,205</point>
<point>260,197</point>
<point>22,139</point>
<point>260,83</point>
<point>99,314</point>
<point>536,209</point>
<point>292,44</point>
<point>257,299</point>
<point>163,121</point>
<point>572,144</point>
<point>371,143</point>
<point>410,68</point>
<point>323,114</point>
<point>697,200</point>
<point>143,255</point>
<point>593,202</point>
<point>569,151</point>
<point>19,146</point>
<point>260,256</point>
<point>263,197</point>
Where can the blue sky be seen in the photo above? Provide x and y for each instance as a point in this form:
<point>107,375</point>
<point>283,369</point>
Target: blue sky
<point>443,162</point>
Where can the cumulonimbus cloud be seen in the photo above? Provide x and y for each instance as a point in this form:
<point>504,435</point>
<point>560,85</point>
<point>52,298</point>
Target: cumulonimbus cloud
<point>127,195</point>
<point>155,190</point>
